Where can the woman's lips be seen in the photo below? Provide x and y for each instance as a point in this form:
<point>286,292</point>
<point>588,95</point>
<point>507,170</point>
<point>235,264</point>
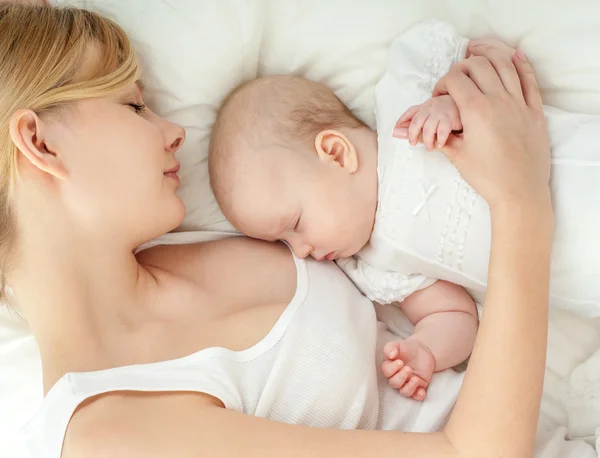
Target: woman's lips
<point>172,172</point>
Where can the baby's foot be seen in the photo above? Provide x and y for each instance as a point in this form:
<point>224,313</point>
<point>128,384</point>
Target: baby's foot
<point>408,365</point>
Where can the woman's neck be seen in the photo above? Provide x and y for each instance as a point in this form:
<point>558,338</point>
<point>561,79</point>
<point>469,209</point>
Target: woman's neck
<point>79,295</point>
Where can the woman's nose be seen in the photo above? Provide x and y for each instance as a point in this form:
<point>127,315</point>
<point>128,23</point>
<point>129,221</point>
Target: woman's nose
<point>173,134</point>
<point>174,137</point>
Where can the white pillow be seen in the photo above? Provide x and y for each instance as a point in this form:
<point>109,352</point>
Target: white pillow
<point>195,51</point>
<point>344,43</point>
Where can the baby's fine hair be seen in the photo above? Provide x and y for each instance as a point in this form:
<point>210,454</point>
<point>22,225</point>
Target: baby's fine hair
<point>285,110</point>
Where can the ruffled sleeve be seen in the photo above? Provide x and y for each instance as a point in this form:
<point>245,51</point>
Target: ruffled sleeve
<point>425,53</point>
<point>382,286</point>
<point>417,60</point>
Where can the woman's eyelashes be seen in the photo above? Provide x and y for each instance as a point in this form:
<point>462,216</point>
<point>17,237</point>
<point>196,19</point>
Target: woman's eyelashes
<point>296,224</point>
<point>137,107</point>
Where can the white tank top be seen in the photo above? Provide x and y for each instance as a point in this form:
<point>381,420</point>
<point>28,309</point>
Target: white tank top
<point>318,366</point>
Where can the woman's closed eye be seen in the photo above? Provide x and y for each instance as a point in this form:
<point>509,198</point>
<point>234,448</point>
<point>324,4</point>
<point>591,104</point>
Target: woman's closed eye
<point>296,224</point>
<point>137,107</point>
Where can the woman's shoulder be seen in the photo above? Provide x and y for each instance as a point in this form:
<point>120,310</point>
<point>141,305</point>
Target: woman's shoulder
<point>102,426</point>
<point>233,264</point>
<point>211,254</point>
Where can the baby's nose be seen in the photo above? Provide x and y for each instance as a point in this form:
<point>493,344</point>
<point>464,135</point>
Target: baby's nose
<point>302,250</point>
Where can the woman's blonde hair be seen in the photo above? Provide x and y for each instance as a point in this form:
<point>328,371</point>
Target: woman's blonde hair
<point>42,53</point>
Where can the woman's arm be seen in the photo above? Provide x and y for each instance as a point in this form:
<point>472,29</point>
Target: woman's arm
<point>186,425</point>
<point>499,404</point>
<point>496,414</point>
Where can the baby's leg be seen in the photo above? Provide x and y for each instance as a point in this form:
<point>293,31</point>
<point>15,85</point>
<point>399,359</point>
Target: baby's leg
<point>445,320</point>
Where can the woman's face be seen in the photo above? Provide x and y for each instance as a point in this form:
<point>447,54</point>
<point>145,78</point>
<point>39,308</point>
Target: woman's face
<point>121,171</point>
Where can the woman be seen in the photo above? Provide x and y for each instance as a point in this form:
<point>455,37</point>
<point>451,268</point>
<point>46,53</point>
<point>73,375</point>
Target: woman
<point>88,173</point>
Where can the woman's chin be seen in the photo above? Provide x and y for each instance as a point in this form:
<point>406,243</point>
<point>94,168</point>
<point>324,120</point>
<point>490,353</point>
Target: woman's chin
<point>178,213</point>
<point>171,217</point>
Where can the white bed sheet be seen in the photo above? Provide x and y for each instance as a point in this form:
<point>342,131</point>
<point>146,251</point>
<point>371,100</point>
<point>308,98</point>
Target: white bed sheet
<point>195,51</point>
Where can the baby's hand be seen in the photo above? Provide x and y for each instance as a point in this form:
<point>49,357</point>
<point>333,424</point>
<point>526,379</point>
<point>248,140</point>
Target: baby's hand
<point>434,120</point>
<point>408,365</point>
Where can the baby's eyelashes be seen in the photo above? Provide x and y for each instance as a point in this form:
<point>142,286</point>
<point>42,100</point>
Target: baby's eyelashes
<point>296,224</point>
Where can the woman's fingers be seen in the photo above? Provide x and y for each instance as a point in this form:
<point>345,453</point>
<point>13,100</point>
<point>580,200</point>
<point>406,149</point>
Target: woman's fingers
<point>529,85</point>
<point>479,70</point>
<point>460,87</point>
<point>500,56</point>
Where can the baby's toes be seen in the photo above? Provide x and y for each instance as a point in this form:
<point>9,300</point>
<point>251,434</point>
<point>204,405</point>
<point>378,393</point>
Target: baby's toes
<point>410,387</point>
<point>398,380</point>
<point>391,368</point>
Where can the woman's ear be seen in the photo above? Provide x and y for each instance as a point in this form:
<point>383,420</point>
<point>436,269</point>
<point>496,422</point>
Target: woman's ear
<point>27,131</point>
<point>333,146</point>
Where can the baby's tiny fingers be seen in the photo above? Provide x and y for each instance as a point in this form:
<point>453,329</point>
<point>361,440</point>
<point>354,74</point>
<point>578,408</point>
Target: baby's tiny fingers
<point>429,131</point>
<point>401,129</point>
<point>416,126</point>
<point>397,381</point>
<point>390,368</point>
<point>456,123</point>
<point>390,350</point>
<point>409,388</point>
<point>443,132</point>
<point>420,394</point>
<point>408,114</point>
<point>400,132</point>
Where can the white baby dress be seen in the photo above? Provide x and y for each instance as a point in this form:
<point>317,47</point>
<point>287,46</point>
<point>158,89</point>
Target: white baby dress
<point>430,224</point>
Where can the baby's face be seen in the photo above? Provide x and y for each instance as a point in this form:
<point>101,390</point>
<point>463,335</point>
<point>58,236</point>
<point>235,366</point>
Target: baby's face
<point>314,210</point>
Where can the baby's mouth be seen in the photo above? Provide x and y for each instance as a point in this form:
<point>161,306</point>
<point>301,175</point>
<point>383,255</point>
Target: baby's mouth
<point>329,257</point>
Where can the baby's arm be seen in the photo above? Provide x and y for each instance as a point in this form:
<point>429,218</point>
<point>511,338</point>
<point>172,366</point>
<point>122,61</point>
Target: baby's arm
<point>446,321</point>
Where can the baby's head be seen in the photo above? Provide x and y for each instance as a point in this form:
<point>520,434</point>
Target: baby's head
<point>289,161</point>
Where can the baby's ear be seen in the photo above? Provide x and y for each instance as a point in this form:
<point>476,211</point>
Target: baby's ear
<point>334,147</point>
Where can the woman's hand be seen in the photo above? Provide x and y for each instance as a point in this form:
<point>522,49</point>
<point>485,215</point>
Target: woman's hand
<point>503,152</point>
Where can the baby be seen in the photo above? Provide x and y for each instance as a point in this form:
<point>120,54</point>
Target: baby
<point>289,161</point>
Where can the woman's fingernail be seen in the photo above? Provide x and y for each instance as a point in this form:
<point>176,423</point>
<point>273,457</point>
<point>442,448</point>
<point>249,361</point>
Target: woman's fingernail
<point>521,55</point>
